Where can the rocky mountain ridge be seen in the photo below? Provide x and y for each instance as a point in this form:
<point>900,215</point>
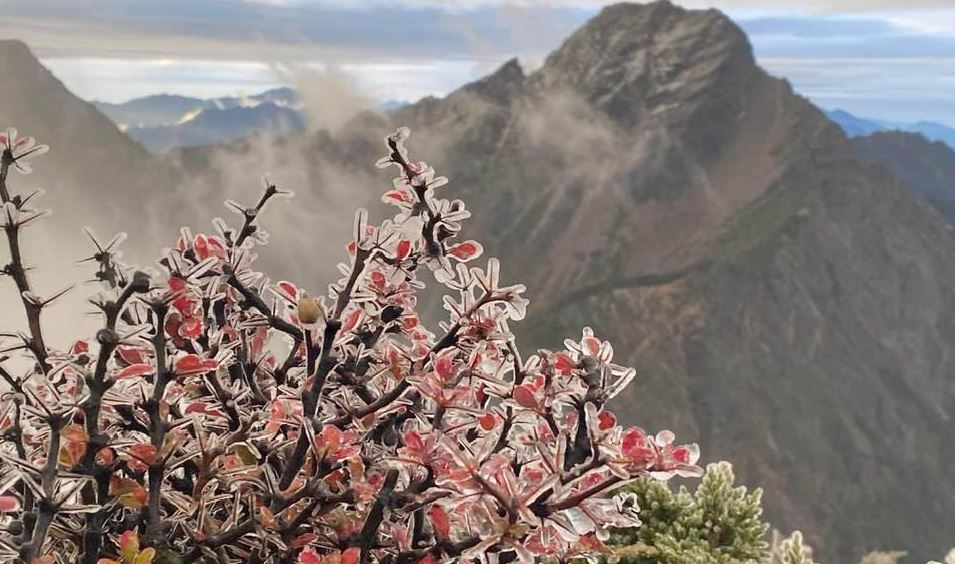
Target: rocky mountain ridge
<point>926,166</point>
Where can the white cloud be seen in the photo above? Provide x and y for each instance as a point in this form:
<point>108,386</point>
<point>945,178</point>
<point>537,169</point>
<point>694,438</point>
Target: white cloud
<point>788,6</point>
<point>121,79</point>
<point>405,49</point>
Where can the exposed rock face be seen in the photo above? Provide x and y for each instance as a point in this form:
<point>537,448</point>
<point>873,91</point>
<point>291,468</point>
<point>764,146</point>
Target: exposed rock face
<point>787,304</point>
<point>926,166</point>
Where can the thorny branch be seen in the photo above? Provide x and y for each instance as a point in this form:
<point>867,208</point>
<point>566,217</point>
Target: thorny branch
<point>189,430</point>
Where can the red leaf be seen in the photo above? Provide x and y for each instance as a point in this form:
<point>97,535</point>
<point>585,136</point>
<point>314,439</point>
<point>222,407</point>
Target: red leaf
<point>171,326</point>
<point>131,494</point>
<point>488,421</point>
<point>134,370</point>
<point>633,445</point>
<point>105,457</point>
<point>74,433</point>
<point>75,441</point>
<point>606,420</point>
<point>195,407</point>
<point>329,440</point>
<point>403,250</point>
<point>145,453</point>
<point>288,289</point>
<point>396,196</point>
<point>194,364</point>
<point>413,442</point>
<point>440,521</point>
<point>129,545</point>
<point>564,364</point>
<point>131,355</point>
<point>8,504</point>
<point>308,556</point>
<point>216,247</point>
<point>378,280</point>
<point>201,246</point>
<point>184,305</point>
<point>444,365</point>
<point>80,347</point>
<point>191,328</point>
<point>466,251</point>
<point>524,396</point>
<point>351,321</point>
<point>351,556</point>
<point>176,284</point>
<point>480,395</point>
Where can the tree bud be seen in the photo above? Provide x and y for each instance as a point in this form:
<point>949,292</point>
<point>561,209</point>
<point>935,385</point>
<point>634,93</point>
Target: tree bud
<point>309,310</point>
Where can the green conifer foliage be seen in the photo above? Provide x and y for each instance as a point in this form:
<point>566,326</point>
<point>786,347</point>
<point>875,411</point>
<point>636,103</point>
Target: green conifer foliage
<point>718,523</point>
<point>791,550</point>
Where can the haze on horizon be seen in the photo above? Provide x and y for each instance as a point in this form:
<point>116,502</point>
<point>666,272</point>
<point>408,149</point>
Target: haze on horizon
<point>888,59</point>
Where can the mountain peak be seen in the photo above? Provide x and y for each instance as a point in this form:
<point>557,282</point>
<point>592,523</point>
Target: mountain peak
<point>502,84</point>
<point>16,58</point>
<point>659,62</point>
<point>8,46</point>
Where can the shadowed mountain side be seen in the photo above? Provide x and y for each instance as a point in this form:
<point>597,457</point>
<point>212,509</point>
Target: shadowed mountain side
<point>93,176</point>
<point>926,166</point>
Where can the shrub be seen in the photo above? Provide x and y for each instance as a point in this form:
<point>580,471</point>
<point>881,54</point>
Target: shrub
<point>719,523</point>
<point>790,550</point>
<point>218,416</point>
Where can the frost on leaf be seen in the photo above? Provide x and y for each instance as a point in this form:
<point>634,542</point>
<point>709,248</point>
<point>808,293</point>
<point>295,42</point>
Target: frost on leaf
<point>221,416</point>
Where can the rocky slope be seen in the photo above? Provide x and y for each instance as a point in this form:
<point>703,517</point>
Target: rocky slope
<point>93,176</point>
<point>926,166</point>
<point>93,171</point>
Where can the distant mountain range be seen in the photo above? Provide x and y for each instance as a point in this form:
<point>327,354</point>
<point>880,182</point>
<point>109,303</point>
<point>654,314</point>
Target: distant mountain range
<point>856,126</point>
<point>165,121</point>
<point>166,109</point>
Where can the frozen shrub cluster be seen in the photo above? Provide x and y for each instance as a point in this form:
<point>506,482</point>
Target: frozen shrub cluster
<point>218,416</point>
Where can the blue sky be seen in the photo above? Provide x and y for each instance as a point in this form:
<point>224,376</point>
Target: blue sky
<point>892,59</point>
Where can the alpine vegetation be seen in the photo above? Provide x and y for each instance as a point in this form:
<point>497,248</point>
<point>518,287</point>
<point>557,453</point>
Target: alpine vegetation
<point>720,522</point>
<point>218,416</point>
